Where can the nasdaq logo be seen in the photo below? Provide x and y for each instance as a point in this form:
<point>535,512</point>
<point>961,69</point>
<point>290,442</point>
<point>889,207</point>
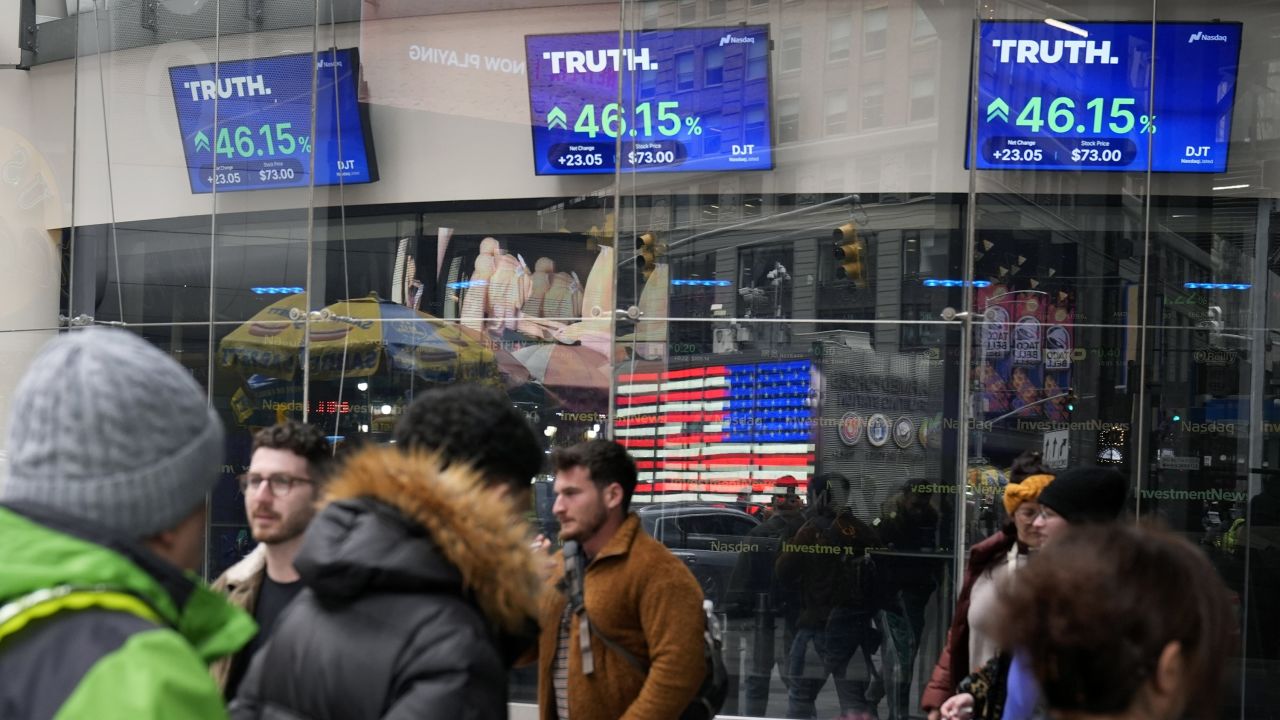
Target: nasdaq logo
<point>1205,37</point>
<point>1089,52</point>
<point>731,40</point>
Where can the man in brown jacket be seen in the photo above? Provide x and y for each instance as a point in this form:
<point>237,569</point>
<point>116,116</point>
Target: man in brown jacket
<point>280,490</point>
<point>636,593</point>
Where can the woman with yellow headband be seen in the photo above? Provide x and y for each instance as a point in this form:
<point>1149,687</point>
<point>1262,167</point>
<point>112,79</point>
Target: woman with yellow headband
<point>970,643</point>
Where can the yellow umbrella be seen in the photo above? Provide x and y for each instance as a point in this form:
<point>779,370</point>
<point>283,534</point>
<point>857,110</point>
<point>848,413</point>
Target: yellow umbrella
<point>269,343</point>
<point>354,337</point>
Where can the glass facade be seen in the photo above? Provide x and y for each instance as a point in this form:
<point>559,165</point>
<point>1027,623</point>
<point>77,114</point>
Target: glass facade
<point>832,292</point>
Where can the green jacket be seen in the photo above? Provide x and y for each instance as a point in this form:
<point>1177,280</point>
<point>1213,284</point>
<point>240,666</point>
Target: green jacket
<point>146,661</point>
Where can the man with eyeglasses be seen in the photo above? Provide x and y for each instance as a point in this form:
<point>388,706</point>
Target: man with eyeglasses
<point>421,587</point>
<point>1006,687</point>
<point>280,490</point>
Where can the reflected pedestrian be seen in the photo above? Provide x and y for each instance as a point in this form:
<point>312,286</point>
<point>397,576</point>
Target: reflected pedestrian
<point>755,593</point>
<point>827,563</point>
<point>906,578</point>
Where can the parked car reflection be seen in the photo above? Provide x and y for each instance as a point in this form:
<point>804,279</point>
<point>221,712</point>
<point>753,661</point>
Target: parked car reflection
<point>708,537</point>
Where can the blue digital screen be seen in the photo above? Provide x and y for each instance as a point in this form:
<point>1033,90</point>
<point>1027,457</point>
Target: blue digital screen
<point>694,99</point>
<point>1053,99</point>
<point>262,137</point>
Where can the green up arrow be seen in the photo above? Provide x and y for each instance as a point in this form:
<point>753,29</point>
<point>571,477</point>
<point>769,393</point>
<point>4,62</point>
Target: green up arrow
<point>557,118</point>
<point>998,109</point>
<point>202,141</point>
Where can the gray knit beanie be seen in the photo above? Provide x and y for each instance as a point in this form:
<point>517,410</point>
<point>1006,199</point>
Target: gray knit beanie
<point>106,427</point>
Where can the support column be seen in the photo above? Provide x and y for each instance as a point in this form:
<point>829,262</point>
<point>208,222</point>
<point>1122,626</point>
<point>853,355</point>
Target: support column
<point>31,221</point>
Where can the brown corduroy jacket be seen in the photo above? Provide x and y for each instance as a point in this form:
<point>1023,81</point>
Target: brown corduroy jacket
<point>643,598</point>
<point>240,583</point>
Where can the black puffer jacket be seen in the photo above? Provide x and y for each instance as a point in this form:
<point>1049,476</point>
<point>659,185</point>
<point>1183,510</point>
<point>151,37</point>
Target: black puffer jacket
<point>419,590</point>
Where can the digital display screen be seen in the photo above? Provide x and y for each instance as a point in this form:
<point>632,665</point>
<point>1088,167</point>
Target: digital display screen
<point>1079,96</point>
<point>262,137</point>
<point>692,100</point>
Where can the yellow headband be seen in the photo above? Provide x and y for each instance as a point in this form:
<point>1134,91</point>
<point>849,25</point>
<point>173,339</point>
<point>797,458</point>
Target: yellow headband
<point>1026,491</point>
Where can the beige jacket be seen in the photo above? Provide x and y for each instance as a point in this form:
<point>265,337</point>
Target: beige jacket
<point>240,583</point>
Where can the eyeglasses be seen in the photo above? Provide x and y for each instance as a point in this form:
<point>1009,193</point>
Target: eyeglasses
<point>280,483</point>
<point>1026,514</point>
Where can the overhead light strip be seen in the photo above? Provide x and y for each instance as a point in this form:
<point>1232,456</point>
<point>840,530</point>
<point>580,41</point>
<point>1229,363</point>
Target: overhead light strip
<point>1066,26</point>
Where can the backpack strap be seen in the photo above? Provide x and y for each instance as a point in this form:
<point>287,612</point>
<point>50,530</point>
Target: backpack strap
<point>47,602</point>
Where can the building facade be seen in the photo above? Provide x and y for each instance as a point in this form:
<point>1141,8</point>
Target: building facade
<point>865,273</point>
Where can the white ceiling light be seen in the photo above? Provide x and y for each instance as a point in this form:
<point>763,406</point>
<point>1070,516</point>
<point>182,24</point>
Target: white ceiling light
<point>1066,26</point>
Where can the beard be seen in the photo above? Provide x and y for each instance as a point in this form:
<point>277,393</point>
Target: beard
<point>587,526</point>
<point>285,529</point>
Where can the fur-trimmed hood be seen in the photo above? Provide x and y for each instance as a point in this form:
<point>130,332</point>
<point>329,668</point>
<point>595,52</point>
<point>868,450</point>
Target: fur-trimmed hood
<point>394,522</point>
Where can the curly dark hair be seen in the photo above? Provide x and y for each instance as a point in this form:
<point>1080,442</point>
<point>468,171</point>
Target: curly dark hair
<point>474,425</point>
<point>1095,609</point>
<point>606,461</point>
<point>299,438</point>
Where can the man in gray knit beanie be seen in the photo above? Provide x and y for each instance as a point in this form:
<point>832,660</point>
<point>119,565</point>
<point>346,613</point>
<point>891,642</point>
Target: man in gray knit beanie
<point>108,428</point>
<point>112,451</point>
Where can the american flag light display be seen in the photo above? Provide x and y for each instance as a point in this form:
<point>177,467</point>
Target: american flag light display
<point>718,429</point>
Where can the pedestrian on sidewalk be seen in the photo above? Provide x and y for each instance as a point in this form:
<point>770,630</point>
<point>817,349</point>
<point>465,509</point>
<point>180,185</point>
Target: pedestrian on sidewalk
<point>1122,621</point>
<point>420,585</point>
<point>615,592</point>
<point>280,491</point>
<point>112,450</point>
<point>969,644</point>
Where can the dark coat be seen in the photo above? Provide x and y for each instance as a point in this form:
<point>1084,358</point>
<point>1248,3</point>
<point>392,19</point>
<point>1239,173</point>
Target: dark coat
<point>753,573</point>
<point>828,581</point>
<point>953,663</point>
<point>419,590</point>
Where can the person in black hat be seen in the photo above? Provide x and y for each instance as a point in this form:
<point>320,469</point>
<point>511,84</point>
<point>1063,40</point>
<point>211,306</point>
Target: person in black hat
<point>1005,688</point>
<point>1150,639</point>
<point>1081,496</point>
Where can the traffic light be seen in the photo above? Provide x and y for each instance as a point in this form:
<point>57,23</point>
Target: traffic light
<point>648,250</point>
<point>850,252</point>
<point>1071,401</point>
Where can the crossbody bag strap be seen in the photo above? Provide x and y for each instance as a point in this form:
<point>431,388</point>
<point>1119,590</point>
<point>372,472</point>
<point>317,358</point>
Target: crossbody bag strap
<point>47,602</point>
<point>626,654</point>
<point>574,585</point>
